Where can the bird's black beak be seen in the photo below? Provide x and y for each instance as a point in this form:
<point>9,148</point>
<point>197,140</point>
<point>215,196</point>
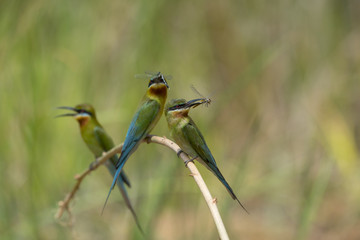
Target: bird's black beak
<point>165,82</point>
<point>67,114</point>
<point>195,102</point>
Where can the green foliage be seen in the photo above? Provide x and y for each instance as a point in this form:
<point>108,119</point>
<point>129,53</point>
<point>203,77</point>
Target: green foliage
<point>284,124</point>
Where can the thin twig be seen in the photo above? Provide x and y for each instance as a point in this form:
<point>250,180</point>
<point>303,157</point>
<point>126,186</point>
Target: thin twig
<point>211,202</point>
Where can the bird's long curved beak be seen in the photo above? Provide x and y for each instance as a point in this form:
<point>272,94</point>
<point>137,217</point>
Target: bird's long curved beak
<point>67,114</point>
<point>68,108</point>
<point>195,102</point>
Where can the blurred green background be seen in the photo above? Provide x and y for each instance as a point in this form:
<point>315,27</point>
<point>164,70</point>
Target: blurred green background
<point>284,124</point>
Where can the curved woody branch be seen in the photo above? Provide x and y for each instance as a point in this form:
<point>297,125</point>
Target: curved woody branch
<point>211,202</point>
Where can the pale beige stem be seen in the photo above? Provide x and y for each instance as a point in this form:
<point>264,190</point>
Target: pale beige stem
<point>211,202</point>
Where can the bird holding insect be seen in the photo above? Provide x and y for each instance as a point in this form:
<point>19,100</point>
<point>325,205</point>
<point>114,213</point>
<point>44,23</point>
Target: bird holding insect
<point>144,120</point>
<point>188,136</point>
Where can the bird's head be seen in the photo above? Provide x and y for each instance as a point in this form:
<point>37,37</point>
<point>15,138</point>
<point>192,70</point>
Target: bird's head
<point>158,85</point>
<point>81,112</point>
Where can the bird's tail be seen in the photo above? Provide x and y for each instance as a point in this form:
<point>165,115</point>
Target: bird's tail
<point>118,167</point>
<point>120,183</point>
<point>112,161</point>
<point>129,205</point>
<point>218,174</point>
<point>111,188</point>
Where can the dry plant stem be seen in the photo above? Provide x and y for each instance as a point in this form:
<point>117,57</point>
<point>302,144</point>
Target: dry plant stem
<point>211,202</point>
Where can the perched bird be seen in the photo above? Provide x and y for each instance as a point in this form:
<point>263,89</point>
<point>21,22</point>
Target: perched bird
<point>144,120</point>
<point>189,138</point>
<point>98,141</point>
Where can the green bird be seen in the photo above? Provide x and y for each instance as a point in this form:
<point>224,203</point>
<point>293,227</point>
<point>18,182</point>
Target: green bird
<point>144,120</point>
<point>189,138</point>
<point>98,141</point>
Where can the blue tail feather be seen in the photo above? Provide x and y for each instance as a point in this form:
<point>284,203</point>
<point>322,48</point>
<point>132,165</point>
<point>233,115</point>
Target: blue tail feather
<point>111,188</point>
<point>218,174</point>
<point>121,185</point>
<point>116,176</point>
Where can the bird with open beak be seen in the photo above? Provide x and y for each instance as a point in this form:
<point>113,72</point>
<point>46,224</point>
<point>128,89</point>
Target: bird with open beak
<point>98,141</point>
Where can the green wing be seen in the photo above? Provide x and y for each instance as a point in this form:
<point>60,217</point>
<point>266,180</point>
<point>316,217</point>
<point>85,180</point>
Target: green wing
<point>141,125</point>
<point>104,140</point>
<point>197,142</point>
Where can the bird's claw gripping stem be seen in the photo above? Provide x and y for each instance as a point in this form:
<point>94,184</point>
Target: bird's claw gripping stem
<point>92,165</point>
<point>190,160</point>
<point>179,152</point>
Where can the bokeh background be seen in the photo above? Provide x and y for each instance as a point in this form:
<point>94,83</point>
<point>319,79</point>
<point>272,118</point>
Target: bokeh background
<point>284,124</point>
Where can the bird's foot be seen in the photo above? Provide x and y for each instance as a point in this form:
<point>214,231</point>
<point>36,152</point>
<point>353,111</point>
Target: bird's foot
<point>92,165</point>
<point>179,152</point>
<point>190,160</point>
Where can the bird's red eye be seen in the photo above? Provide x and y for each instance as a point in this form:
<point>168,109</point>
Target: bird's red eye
<point>179,106</point>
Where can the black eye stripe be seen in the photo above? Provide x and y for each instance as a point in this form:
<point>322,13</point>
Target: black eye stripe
<point>176,107</point>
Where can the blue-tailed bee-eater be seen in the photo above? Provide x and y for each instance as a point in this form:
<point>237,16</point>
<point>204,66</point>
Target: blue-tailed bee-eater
<point>98,141</point>
<point>189,138</point>
<point>144,120</point>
